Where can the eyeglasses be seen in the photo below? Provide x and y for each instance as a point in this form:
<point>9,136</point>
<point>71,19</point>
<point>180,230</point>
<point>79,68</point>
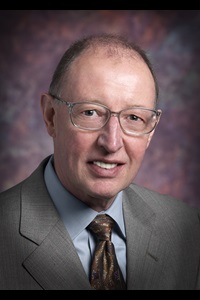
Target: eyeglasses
<point>134,121</point>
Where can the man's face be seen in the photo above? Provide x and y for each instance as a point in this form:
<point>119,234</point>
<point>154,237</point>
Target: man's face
<point>96,165</point>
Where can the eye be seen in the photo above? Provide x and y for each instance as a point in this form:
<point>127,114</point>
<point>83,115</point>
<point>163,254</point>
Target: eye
<point>89,113</point>
<point>134,118</point>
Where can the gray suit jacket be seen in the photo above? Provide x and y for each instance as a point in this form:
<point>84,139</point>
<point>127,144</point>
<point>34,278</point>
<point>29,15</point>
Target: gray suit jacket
<point>36,251</point>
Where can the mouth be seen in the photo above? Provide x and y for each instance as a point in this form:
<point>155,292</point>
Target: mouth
<point>104,165</point>
<point>106,169</point>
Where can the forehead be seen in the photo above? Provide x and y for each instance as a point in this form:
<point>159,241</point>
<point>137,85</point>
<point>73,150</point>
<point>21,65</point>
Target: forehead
<point>117,82</point>
<point>106,60</point>
<point>103,62</point>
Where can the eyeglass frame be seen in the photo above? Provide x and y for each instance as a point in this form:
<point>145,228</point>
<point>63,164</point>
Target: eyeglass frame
<point>70,106</point>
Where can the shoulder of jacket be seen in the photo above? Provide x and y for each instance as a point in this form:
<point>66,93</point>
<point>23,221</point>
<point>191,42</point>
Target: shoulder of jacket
<point>163,202</point>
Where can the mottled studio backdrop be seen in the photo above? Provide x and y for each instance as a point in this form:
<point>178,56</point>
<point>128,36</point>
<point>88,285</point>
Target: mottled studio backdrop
<point>31,44</point>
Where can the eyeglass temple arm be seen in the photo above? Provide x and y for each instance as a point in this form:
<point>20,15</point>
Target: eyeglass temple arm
<point>69,104</point>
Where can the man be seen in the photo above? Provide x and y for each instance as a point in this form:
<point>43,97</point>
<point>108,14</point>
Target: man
<point>101,112</point>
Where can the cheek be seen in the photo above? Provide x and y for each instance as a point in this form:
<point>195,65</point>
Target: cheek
<point>76,144</point>
<point>136,154</point>
<point>137,148</point>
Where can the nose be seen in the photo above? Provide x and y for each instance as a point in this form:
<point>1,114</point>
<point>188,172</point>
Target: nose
<point>110,137</point>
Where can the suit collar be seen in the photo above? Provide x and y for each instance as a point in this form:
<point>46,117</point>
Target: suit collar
<point>40,223</point>
<point>38,214</point>
<point>144,248</point>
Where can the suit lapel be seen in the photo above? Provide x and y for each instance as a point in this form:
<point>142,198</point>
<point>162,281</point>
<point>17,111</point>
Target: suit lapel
<point>54,263</point>
<point>144,248</point>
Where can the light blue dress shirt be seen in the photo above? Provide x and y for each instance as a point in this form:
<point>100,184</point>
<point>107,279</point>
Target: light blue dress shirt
<point>76,216</point>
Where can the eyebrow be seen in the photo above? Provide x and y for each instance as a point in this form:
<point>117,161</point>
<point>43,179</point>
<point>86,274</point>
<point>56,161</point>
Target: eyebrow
<point>128,106</point>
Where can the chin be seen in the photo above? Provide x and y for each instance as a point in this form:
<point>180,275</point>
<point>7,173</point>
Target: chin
<point>105,193</point>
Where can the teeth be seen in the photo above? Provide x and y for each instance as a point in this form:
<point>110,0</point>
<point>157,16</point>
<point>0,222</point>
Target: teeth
<point>104,165</point>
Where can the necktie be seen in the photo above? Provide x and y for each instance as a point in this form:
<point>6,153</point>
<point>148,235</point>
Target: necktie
<point>105,271</point>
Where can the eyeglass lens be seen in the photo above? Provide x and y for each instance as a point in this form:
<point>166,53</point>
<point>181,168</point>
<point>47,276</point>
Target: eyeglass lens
<point>95,116</point>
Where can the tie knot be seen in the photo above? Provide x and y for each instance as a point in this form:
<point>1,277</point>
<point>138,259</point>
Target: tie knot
<point>102,226</point>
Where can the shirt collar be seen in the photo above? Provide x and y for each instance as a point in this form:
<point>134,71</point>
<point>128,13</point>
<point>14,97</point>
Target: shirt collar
<point>75,214</point>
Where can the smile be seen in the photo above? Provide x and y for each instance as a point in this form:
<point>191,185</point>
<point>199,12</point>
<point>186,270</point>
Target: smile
<point>104,165</point>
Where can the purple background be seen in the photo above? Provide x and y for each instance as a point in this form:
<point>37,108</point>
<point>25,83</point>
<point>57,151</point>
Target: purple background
<point>32,43</point>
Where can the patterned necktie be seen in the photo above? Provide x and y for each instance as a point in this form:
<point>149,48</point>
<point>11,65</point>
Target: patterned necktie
<point>105,271</point>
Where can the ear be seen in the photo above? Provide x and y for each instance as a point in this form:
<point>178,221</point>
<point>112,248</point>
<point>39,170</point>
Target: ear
<point>48,112</point>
